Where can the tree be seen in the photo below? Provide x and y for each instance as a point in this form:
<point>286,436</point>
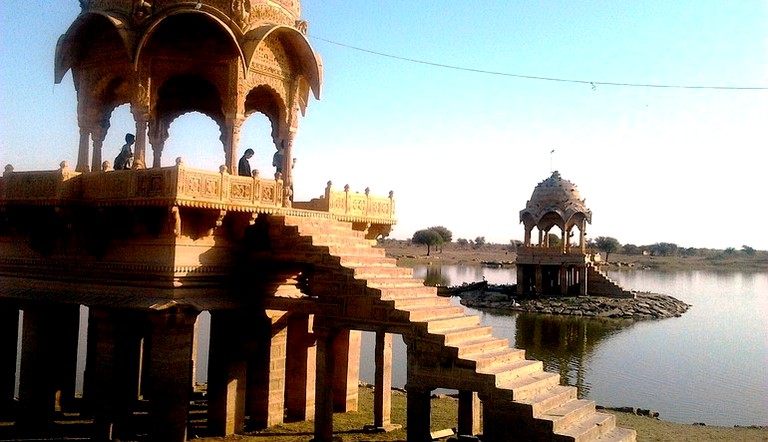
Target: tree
<point>630,249</point>
<point>479,242</point>
<point>607,244</point>
<point>428,238</point>
<point>444,233</point>
<point>462,242</point>
<point>748,250</point>
<point>553,240</point>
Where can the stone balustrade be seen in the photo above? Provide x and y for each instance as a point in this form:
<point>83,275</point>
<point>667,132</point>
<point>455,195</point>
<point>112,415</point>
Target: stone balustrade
<point>184,186</point>
<point>352,204</point>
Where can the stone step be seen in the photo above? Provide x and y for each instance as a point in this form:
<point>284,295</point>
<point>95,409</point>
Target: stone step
<point>456,336</point>
<point>548,399</point>
<point>443,326</point>
<point>482,345</point>
<point>434,313</point>
<point>510,371</point>
<point>354,250</point>
<point>529,385</point>
<point>393,293</point>
<point>567,414</point>
<point>423,301</point>
<point>486,360</point>
<point>393,282</point>
<point>383,271</point>
<point>587,429</point>
<point>619,435</point>
<point>353,261</point>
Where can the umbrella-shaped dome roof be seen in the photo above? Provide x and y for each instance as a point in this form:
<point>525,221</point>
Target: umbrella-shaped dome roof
<point>555,196</point>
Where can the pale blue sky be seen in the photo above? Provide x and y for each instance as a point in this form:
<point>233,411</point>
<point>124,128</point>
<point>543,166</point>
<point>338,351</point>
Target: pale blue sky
<point>465,149</point>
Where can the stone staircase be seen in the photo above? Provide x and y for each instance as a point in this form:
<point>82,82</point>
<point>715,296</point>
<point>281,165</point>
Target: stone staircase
<point>601,285</point>
<point>447,348</point>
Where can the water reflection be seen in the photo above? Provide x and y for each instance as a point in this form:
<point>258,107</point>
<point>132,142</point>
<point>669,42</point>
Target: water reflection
<point>564,344</point>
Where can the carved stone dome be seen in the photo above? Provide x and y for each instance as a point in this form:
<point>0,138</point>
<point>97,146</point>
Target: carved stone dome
<point>555,201</point>
<point>245,13</point>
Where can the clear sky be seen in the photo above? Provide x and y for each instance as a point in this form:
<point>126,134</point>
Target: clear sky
<point>465,149</point>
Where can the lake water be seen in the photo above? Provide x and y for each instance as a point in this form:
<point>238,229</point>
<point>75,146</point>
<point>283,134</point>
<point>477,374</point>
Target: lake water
<point>709,365</point>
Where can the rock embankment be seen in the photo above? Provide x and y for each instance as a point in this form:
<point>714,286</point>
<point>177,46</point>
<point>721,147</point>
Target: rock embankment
<point>643,306</point>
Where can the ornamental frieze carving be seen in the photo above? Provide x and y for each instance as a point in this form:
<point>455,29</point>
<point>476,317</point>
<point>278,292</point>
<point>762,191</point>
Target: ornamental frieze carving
<point>268,14</point>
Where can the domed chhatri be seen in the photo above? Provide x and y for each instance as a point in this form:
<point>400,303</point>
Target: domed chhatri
<point>555,202</point>
<point>224,58</point>
<point>566,268</point>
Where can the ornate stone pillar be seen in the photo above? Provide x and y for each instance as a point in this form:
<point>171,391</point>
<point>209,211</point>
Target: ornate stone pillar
<point>300,368</point>
<point>98,134</point>
<point>469,414</point>
<point>158,133</point>
<point>82,150</point>
<point>346,348</point>
<point>9,333</point>
<point>521,282</point>
<point>170,373</point>
<point>227,371</point>
<point>288,168</point>
<point>140,146</point>
<point>230,138</point>
<point>266,371</point>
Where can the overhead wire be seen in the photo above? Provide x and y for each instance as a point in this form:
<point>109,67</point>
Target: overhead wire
<point>534,77</point>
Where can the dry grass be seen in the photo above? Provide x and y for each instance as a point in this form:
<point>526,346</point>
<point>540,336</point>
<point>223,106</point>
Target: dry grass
<point>444,410</point>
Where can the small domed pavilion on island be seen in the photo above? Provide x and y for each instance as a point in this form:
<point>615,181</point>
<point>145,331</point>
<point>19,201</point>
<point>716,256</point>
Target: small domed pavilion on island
<point>289,285</point>
<point>566,267</point>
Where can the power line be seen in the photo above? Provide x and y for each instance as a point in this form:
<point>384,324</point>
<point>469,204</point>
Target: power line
<point>533,77</point>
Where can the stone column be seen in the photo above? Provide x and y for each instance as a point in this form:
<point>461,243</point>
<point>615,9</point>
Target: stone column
<point>324,383</point>
<point>266,372</point>
<point>418,411</point>
<point>115,338</point>
<point>564,279</point>
<point>230,138</point>
<point>521,282</point>
<point>9,333</point>
<point>82,150</point>
<point>48,362</point>
<point>583,271</point>
<point>469,414</point>
<point>539,279</point>
<point>98,135</point>
<point>157,136</point>
<point>227,373</point>
<point>300,368</point>
<point>170,373</point>
<point>346,348</point>
<point>382,393</point>
<point>140,146</point>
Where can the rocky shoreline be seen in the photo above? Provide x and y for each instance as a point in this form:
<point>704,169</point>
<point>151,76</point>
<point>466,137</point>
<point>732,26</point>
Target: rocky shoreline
<point>643,306</point>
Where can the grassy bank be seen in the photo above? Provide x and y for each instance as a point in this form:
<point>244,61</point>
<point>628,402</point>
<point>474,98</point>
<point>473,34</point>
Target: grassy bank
<point>444,410</point>
<point>408,255</point>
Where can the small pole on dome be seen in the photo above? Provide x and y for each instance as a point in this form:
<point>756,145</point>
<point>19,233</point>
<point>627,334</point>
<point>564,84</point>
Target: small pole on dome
<point>551,154</point>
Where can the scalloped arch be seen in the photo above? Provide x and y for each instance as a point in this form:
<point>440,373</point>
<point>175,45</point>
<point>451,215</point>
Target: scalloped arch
<point>310,62</point>
<point>69,41</point>
<point>145,37</point>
